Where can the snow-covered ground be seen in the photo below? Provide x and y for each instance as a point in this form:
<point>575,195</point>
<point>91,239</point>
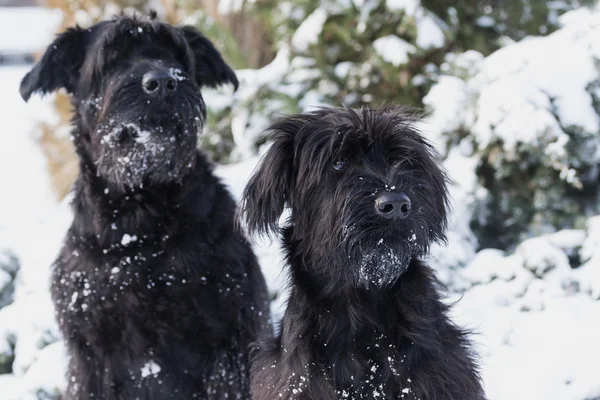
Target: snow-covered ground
<point>537,319</point>
<point>24,29</point>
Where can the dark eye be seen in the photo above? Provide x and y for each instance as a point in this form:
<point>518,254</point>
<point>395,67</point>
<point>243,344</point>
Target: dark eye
<point>339,165</point>
<point>112,54</point>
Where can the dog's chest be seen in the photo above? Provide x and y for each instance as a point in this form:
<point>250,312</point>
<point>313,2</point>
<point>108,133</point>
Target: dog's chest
<point>382,372</point>
<point>99,284</point>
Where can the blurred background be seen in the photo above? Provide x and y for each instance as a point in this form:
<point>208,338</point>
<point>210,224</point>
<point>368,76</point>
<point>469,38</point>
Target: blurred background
<point>510,91</point>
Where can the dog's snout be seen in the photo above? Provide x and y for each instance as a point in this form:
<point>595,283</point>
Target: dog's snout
<point>159,81</point>
<point>392,205</point>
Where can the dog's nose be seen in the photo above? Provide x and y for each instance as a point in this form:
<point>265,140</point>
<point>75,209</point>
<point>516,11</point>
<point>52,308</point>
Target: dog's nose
<point>159,81</point>
<point>393,205</point>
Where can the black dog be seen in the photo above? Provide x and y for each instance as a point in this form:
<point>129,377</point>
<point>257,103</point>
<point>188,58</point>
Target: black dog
<point>157,294</point>
<point>364,319</point>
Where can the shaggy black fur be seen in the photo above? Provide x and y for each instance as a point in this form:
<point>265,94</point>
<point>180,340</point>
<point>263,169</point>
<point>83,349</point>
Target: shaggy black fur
<point>365,318</point>
<point>157,294</point>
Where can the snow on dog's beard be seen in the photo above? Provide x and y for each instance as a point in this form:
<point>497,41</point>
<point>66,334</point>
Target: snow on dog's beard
<point>382,262</point>
<point>383,265</point>
<point>141,140</point>
<point>132,154</point>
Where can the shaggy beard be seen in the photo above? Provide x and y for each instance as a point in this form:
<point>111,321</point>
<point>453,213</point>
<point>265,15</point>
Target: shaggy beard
<point>153,157</point>
<point>382,266</point>
<point>381,254</point>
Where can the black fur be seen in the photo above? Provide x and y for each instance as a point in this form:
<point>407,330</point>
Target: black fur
<point>365,318</point>
<point>157,294</point>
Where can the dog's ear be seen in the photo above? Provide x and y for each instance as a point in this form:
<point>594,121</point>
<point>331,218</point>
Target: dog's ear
<point>269,188</point>
<point>59,66</point>
<point>211,69</point>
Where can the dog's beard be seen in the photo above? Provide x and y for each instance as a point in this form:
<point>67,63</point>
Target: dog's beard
<point>383,265</point>
<point>380,253</point>
<point>132,154</point>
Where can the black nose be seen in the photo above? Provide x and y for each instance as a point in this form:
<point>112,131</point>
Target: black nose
<point>159,81</point>
<point>393,205</point>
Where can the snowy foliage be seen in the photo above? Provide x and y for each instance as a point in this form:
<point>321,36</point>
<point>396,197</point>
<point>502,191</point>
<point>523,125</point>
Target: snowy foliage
<point>530,115</point>
<point>355,53</point>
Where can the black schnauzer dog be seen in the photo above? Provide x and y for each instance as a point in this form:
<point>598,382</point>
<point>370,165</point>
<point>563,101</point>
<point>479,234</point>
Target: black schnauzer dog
<point>365,319</point>
<point>157,293</point>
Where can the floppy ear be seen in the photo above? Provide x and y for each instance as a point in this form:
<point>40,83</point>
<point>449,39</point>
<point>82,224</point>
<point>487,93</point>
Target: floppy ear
<point>269,188</point>
<point>58,67</point>
<point>211,69</point>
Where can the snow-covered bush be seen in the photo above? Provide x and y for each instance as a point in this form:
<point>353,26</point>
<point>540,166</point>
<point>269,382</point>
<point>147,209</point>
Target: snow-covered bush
<point>587,277</point>
<point>353,53</point>
<point>567,260</point>
<point>487,25</point>
<point>361,52</point>
<point>530,115</point>
<point>9,267</point>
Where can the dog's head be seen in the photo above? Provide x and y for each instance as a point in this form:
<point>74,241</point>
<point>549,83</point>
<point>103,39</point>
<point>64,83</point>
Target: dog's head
<point>135,84</point>
<point>365,190</point>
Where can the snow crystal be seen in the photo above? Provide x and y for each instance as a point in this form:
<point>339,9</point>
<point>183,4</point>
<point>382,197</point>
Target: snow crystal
<point>127,238</point>
<point>178,74</point>
<point>393,50</point>
<point>151,368</point>
<point>73,299</point>
<point>142,135</point>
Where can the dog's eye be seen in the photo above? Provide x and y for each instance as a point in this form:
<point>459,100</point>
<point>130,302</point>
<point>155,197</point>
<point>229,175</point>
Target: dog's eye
<point>112,55</point>
<point>339,165</point>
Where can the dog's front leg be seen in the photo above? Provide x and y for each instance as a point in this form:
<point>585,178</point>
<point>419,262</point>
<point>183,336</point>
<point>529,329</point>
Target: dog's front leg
<point>87,376</point>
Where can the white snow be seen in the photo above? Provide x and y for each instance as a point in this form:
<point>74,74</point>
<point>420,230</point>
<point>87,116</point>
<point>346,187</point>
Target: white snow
<point>5,279</point>
<point>127,238</point>
<point>429,31</point>
<point>394,50</point>
<point>142,135</point>
<point>151,368</point>
<point>588,275</point>
<point>409,6</point>
<point>30,218</point>
<point>18,36</point>
<point>177,73</point>
<point>449,99</point>
<point>308,32</point>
